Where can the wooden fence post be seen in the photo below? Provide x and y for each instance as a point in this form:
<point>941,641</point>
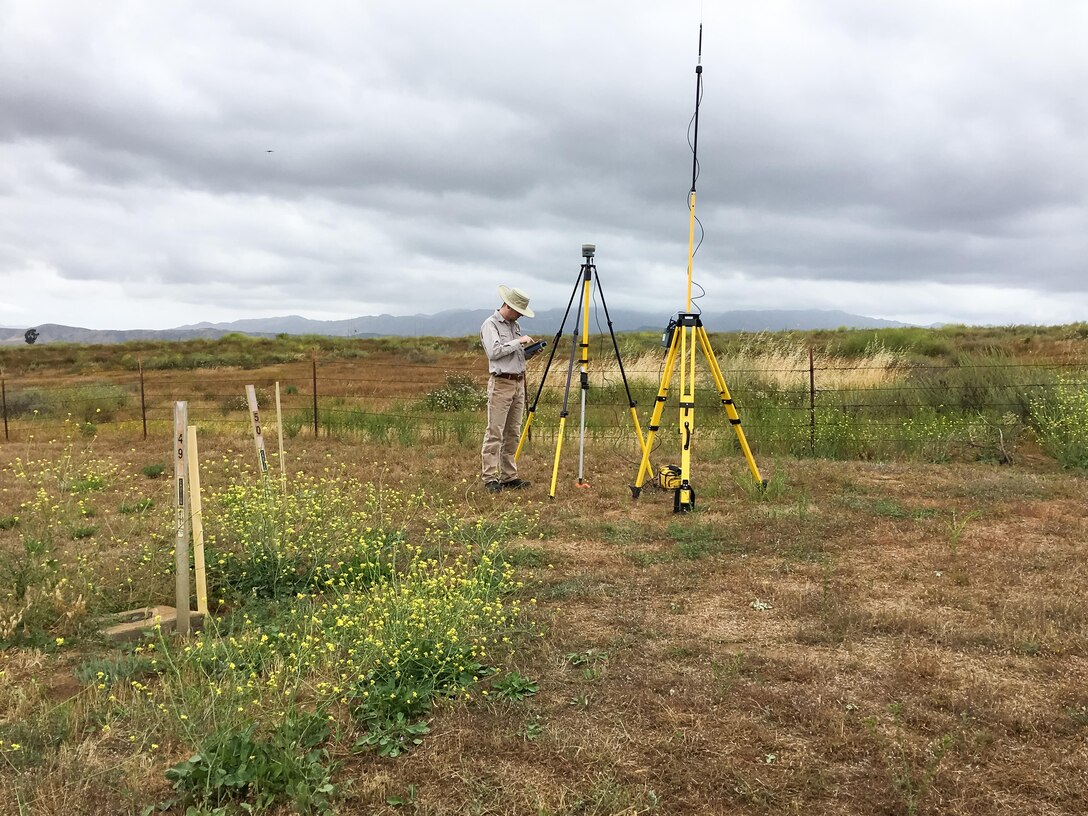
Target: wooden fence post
<point>143,401</point>
<point>811,402</point>
<point>4,395</point>
<point>314,360</point>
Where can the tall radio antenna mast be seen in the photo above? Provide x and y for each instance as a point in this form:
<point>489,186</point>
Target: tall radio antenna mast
<point>683,336</point>
<point>694,164</point>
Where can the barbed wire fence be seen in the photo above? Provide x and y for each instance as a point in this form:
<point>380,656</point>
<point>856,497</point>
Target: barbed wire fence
<point>839,411</point>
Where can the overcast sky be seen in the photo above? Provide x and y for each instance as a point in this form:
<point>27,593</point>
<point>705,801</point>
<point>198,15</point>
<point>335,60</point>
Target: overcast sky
<point>165,162</point>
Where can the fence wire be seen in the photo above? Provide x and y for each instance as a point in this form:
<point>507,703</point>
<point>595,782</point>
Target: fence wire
<point>976,404</point>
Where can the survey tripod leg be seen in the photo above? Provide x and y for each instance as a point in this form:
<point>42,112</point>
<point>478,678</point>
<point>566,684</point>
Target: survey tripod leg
<point>631,404</point>
<point>645,469</point>
<point>728,405</point>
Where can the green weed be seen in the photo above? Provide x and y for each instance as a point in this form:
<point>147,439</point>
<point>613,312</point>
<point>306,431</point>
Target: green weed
<point>532,557</point>
<point>256,772</point>
<point>586,658</point>
<point>408,798</point>
<point>514,686</point>
<point>912,776</point>
<point>956,528</point>
<point>533,728</point>
<point>648,558</point>
<point>105,672</point>
<point>86,484</point>
<point>129,508</point>
<point>765,490</point>
<point>392,737</point>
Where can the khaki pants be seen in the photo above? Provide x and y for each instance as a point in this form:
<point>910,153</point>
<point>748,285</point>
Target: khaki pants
<point>505,408</point>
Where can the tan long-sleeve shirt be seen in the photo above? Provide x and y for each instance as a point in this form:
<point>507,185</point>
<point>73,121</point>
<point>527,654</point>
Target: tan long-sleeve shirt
<point>505,354</point>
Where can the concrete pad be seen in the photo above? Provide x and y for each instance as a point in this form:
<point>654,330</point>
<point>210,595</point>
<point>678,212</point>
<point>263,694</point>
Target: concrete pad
<point>135,624</point>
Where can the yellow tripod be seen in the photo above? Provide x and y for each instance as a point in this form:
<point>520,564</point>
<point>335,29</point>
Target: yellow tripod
<point>587,277</point>
<point>688,334</point>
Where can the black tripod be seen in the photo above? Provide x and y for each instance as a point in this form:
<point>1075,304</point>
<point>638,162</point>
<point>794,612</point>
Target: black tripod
<point>587,277</point>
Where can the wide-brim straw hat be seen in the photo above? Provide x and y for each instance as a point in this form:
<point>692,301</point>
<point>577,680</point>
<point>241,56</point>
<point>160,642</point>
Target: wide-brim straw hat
<point>516,300</point>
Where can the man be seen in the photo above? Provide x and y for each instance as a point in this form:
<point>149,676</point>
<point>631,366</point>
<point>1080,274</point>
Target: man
<point>504,345</point>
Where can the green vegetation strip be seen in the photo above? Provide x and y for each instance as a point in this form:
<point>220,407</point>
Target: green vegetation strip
<point>346,614</point>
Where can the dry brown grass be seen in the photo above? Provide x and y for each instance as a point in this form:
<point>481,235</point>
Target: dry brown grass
<point>776,361</point>
<point>846,646</point>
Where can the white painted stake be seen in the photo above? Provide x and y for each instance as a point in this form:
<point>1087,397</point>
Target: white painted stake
<point>181,545</point>
<point>258,436</point>
<point>279,430</point>
<point>197,513</point>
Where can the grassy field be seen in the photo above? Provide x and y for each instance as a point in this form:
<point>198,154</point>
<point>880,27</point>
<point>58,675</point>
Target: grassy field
<point>864,637</point>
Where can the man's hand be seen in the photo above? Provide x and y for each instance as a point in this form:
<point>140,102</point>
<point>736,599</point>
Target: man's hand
<point>525,340</point>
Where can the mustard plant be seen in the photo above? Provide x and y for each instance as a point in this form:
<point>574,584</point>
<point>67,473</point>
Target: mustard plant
<point>459,393</point>
<point>45,586</point>
<point>1061,422</point>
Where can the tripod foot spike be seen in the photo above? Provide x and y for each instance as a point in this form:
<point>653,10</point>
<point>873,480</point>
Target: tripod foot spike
<point>635,491</point>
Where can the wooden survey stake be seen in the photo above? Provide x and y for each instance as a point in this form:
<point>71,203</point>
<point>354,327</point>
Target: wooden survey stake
<point>279,431</point>
<point>181,517</point>
<point>258,435</point>
<point>197,513</point>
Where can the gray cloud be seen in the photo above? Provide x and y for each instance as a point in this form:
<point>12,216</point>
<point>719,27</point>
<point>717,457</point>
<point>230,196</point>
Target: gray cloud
<point>247,159</point>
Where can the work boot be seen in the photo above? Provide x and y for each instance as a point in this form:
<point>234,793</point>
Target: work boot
<point>492,487</point>
<point>516,484</point>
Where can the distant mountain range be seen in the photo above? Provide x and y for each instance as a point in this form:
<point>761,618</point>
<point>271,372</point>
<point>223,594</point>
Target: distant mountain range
<point>454,323</point>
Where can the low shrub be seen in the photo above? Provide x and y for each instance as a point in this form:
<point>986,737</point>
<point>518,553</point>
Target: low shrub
<point>94,402</point>
<point>460,393</point>
<point>1061,422</point>
<point>153,471</point>
<point>26,402</point>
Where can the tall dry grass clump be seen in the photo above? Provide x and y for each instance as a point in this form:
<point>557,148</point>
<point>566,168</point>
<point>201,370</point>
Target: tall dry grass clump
<point>782,363</point>
<point>765,361</point>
